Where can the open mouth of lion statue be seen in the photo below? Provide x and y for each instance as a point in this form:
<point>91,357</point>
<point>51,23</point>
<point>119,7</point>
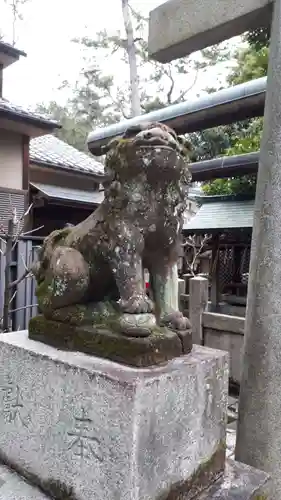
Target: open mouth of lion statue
<point>155,135</point>
<point>153,147</point>
<point>152,135</point>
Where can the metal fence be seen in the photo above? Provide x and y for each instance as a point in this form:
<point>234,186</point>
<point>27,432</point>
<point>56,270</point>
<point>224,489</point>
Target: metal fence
<point>23,303</point>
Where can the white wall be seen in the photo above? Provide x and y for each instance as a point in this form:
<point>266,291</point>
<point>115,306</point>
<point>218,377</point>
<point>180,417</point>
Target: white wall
<point>10,160</point>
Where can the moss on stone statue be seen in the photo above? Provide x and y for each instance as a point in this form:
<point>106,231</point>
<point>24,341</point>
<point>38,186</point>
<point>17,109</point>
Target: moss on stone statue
<point>43,290</point>
<point>89,261</point>
<point>61,234</point>
<point>208,472</point>
<point>99,340</point>
<point>98,314</point>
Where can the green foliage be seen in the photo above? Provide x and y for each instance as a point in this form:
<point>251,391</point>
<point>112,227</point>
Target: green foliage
<point>158,83</point>
<point>252,61</point>
<point>248,138</point>
<point>251,64</point>
<point>258,38</point>
<point>89,107</point>
<point>97,100</point>
<point>244,145</point>
<point>245,139</point>
<point>70,131</point>
<point>217,187</point>
<point>233,186</point>
<point>73,131</point>
<point>209,143</point>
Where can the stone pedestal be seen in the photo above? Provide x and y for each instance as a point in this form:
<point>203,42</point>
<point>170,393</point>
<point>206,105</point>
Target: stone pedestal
<point>239,482</point>
<point>79,427</point>
<point>14,487</point>
<point>142,352</point>
<point>88,428</point>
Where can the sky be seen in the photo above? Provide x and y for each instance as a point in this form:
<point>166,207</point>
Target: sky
<point>45,34</point>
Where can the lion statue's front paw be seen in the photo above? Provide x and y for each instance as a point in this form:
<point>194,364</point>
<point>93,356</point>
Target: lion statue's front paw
<point>137,304</point>
<point>176,321</point>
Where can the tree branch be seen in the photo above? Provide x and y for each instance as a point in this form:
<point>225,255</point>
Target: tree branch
<point>191,242</point>
<point>131,52</point>
<point>184,92</point>
<point>137,15</point>
<point>172,86</point>
<point>23,307</point>
<point>19,280</point>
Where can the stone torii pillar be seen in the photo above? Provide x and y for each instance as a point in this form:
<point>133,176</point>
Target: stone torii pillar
<point>178,28</point>
<point>259,426</point>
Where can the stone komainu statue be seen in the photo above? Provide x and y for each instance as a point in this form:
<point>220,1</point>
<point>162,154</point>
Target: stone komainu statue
<point>92,274</point>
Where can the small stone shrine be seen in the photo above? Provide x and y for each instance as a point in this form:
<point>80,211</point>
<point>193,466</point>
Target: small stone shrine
<point>104,397</point>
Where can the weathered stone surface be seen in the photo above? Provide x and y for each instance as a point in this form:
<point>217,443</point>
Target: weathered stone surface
<point>239,482</point>
<point>198,302</point>
<point>185,337</point>
<point>259,423</point>
<point>140,325</point>
<point>14,487</point>
<point>106,430</point>
<point>163,344</point>
<point>137,226</point>
<point>180,27</point>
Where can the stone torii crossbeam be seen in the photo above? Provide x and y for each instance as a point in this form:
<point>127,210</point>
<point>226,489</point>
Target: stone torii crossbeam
<point>177,28</point>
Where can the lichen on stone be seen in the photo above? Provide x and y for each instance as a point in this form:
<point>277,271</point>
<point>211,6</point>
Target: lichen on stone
<point>101,260</point>
<point>208,472</point>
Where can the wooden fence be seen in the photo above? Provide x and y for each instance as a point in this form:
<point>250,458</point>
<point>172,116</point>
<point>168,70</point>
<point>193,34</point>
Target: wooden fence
<point>23,299</point>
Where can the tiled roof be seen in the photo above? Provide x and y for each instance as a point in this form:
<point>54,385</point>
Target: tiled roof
<point>50,151</point>
<point>26,115</point>
<point>222,215</point>
<point>7,48</point>
<point>70,194</point>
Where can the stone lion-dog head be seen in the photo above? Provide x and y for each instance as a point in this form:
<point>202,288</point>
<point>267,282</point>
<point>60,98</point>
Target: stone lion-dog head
<point>149,153</point>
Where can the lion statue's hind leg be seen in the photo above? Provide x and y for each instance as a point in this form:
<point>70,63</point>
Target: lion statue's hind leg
<point>66,281</point>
